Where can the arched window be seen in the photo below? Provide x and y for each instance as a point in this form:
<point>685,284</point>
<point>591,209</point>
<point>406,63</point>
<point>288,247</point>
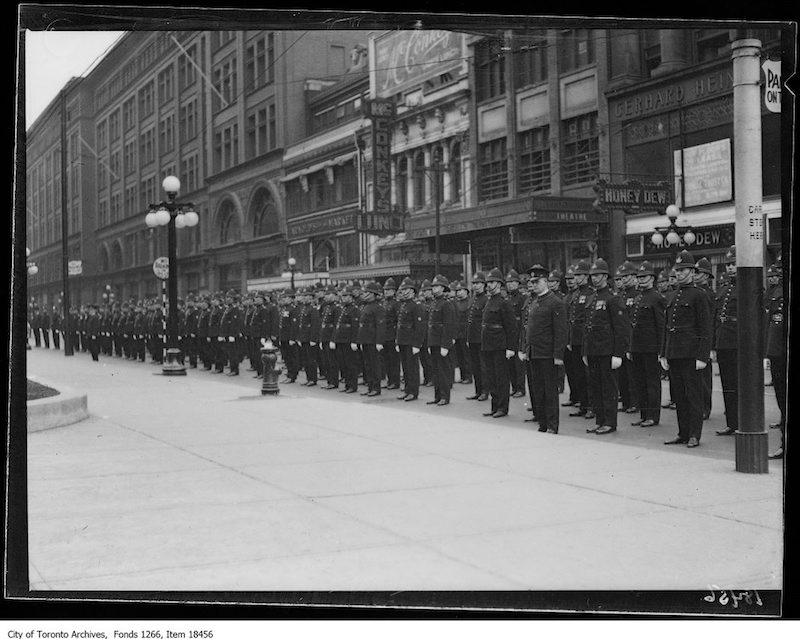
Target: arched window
<point>324,256</point>
<point>104,262</point>
<point>116,256</point>
<point>229,229</point>
<point>419,180</point>
<point>455,172</point>
<point>264,214</point>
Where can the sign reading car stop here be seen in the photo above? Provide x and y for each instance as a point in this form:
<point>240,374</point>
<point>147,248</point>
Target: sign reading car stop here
<point>161,268</point>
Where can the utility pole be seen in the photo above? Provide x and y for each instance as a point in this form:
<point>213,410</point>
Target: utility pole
<point>437,256</point>
<point>751,437</point>
<point>65,230</point>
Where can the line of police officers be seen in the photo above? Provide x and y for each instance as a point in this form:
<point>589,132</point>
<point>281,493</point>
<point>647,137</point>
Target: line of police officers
<point>613,346</point>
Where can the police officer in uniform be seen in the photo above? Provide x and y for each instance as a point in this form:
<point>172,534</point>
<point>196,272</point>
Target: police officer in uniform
<point>371,336</point>
<point>257,330</point>
<point>329,315</point>
<point>93,332</point>
<point>389,357</point>
<point>441,338</point>
<point>647,329</point>
<point>203,345</point>
<point>230,330</point>
<point>308,330</point>
<point>726,346</point>
<point>412,331</point>
<point>775,347</point>
<point>702,278</point>
<point>474,320</point>
<point>462,304</point>
<point>289,328</point>
<point>628,292</point>
<point>190,317</point>
<point>425,298</point>
<point>606,339</point>
<point>517,300</point>
<point>344,341</point>
<point>499,342</point>
<point>576,318</point>
<point>685,350</point>
<point>569,279</point>
<point>543,346</point>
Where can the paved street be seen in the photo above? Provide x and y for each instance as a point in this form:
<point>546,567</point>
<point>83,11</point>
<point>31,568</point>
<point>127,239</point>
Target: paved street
<point>200,483</point>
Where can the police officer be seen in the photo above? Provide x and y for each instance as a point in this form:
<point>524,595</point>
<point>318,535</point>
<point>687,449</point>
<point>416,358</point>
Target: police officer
<point>569,279</point>
<point>775,346</point>
<point>389,356</point>
<point>140,332</point>
<point>329,315</point>
<point>214,336</point>
<point>441,338</point>
<point>425,298</point>
<point>44,326</point>
<point>517,299</point>
<point>344,341</point>
<point>647,328</point>
<point>93,331</point>
<point>499,342</point>
<point>702,277</point>
<point>259,329</point>
<point>230,330</point>
<point>308,330</point>
<point>371,337</point>
<point>462,304</point>
<point>544,343</point>
<point>290,350</point>
<point>202,340</point>
<point>554,284</point>
<point>56,326</point>
<point>576,318</point>
<point>685,350</point>
<point>606,339</point>
<point>725,344</point>
<point>411,334</point>
<point>473,334</point>
<point>628,292</point>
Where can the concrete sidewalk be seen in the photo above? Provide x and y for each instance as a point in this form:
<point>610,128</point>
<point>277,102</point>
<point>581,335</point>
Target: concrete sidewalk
<point>200,483</point>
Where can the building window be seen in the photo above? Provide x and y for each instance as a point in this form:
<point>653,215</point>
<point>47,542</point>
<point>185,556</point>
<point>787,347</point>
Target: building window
<point>455,169</point>
<point>489,69</point>
<point>534,160</point>
<point>147,151</point>
<point>265,214</point>
<point>189,121</point>
<point>130,201</point>
<point>148,191</point>
<point>102,135</point>
<point>130,157</point>
<point>256,134</point>
<point>129,113</point>
<point>113,125</point>
<point>229,230</point>
<point>652,50</point>
<point>581,153</point>
<point>576,49</point>
<point>114,165</point>
<point>187,72</point>
<point>225,86</point>
<point>347,249</point>
<point>493,167</point>
<point>146,103</point>
<point>166,89</point>
<point>102,174</point>
<point>530,61</point>
<point>189,173</point>
<point>402,184</point>
<point>116,209</point>
<point>419,180</point>
<point>259,61</point>
<point>712,44</point>
<point>270,58</point>
<point>166,134</point>
<point>226,147</point>
<point>221,38</point>
<point>102,213</point>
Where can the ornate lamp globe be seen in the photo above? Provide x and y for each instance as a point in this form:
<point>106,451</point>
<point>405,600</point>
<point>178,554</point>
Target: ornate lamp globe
<point>657,238</point>
<point>689,237</point>
<point>150,219</point>
<point>673,211</point>
<point>191,218</point>
<point>180,221</point>
<point>673,237</point>
<point>171,185</point>
<point>162,217</point>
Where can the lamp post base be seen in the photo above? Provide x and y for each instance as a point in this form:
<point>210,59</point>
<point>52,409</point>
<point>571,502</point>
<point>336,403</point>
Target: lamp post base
<point>751,452</point>
<point>172,363</point>
<point>269,385</point>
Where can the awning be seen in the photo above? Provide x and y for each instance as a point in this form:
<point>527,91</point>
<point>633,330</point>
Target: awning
<point>371,271</point>
<point>319,166</point>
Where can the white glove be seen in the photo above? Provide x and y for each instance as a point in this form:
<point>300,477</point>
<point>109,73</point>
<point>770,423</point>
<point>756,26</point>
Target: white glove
<point>699,365</point>
<point>616,362</point>
<point>414,350</point>
<point>379,347</point>
<point>443,351</point>
<point>664,363</point>
<point>509,353</point>
<point>629,356</point>
<point>332,345</point>
<point>353,347</point>
<point>219,339</point>
<point>313,343</point>
<point>397,348</point>
<point>231,338</point>
<point>292,342</point>
<point>522,355</point>
<point>713,356</point>
<point>569,347</point>
<point>558,362</point>
<point>192,335</point>
<point>585,360</point>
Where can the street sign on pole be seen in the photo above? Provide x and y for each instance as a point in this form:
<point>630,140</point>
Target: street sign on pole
<point>75,267</point>
<point>161,268</point>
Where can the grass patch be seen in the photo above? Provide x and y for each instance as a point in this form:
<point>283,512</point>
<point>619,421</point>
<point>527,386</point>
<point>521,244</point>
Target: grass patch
<point>39,391</point>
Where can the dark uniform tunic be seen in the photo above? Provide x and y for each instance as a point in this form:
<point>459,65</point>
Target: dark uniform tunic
<point>727,348</point>
<point>329,315</point>
<point>389,357</point>
<point>442,329</point>
<point>687,340</point>
<point>627,381</point>
<point>707,374</point>
<point>344,337</point>
<point>371,331</point>
<point>775,347</point>
<point>190,318</point>
<point>474,321</point>
<point>230,329</point>
<point>411,333</point>
<point>93,330</point>
<point>545,339</point>
<point>576,318</point>
<point>308,329</point>
<point>516,369</point>
<point>647,327</point>
<point>499,333</point>
<point>606,334</point>
<point>462,351</point>
<point>203,346</point>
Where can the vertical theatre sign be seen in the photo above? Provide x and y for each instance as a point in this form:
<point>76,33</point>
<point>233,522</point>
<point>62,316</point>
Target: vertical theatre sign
<point>381,113</point>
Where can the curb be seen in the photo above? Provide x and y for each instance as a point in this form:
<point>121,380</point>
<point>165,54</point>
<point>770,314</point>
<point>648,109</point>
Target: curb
<point>68,407</point>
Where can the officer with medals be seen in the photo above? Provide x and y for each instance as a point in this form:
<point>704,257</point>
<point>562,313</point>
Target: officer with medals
<point>628,292</point>
<point>474,320</point>
<point>343,342</point>
<point>647,328</point>
<point>329,315</point>
<point>499,342</point>
<point>606,339</point>
<point>576,318</point>
<point>726,344</point>
<point>554,284</point>
<point>441,338</point>
<point>517,300</point>
<point>702,279</point>
<point>775,346</point>
<point>543,346</point>
<point>308,329</point>
<point>411,333</point>
<point>685,350</point>
<point>462,304</point>
<point>371,336</point>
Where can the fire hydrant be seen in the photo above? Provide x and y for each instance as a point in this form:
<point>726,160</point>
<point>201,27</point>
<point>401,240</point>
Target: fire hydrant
<point>269,356</point>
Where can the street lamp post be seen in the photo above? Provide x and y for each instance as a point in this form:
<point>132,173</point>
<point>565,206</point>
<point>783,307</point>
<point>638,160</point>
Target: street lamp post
<point>292,263</point>
<point>173,215</point>
<point>671,236</point>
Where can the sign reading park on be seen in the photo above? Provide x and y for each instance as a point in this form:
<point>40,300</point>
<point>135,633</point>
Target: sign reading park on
<point>772,85</point>
<point>161,268</point>
<point>634,196</point>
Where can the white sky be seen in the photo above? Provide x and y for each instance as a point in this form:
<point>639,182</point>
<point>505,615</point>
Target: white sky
<point>53,57</point>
